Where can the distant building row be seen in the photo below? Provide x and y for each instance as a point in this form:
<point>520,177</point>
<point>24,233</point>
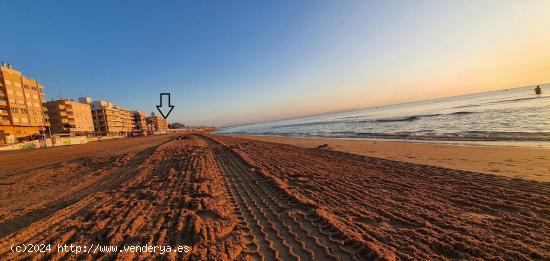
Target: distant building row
<point>24,113</point>
<point>101,118</point>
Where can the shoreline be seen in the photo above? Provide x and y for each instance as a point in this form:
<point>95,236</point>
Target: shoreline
<point>481,143</point>
<point>524,162</point>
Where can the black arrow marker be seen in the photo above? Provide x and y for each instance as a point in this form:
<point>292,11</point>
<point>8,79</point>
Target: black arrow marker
<point>162,108</point>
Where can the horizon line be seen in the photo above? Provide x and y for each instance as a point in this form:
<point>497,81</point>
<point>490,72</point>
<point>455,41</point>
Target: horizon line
<point>371,107</point>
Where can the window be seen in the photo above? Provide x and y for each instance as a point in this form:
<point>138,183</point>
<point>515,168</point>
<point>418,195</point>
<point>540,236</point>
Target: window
<point>24,111</point>
<point>24,120</point>
<point>27,95</point>
<point>33,88</point>
<point>21,102</point>
<point>36,105</point>
<point>10,91</point>
<point>15,119</point>
<point>14,110</point>
<point>17,84</point>
<point>34,96</point>
<point>19,93</point>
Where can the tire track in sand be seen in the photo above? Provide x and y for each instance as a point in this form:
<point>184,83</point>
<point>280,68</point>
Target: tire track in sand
<point>73,195</point>
<point>278,224</point>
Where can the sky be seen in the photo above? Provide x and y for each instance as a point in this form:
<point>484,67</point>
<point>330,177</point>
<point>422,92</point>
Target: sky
<point>233,62</point>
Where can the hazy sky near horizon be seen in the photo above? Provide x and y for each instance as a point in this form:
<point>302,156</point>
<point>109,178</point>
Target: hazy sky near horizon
<point>244,61</point>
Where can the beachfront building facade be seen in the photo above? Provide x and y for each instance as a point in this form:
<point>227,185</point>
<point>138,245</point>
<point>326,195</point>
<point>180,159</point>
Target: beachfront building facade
<point>127,117</point>
<point>109,119</point>
<point>157,124</point>
<point>106,119</point>
<point>22,110</point>
<point>70,117</point>
<point>140,123</point>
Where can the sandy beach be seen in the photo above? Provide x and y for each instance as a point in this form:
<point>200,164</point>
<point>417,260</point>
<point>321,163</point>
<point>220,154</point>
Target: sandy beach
<point>275,131</point>
<point>24,160</point>
<point>229,198</point>
<point>515,162</point>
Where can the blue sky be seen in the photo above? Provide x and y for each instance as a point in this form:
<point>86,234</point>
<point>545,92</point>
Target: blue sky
<point>245,61</point>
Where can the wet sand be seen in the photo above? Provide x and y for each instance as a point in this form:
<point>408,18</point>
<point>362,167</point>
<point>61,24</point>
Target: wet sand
<point>515,162</point>
<point>239,199</point>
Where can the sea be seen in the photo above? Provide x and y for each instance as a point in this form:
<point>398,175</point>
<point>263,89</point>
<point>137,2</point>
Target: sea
<point>510,115</point>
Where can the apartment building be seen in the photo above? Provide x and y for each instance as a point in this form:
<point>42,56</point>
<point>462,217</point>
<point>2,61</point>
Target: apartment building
<point>109,119</point>
<point>157,124</point>
<point>70,117</point>
<point>140,123</point>
<point>127,117</point>
<point>22,109</point>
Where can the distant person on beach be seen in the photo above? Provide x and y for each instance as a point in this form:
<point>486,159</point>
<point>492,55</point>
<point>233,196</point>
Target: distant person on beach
<point>538,90</point>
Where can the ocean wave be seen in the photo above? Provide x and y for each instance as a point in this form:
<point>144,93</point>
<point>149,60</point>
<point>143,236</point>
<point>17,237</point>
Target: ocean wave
<point>417,117</point>
<point>467,106</point>
<point>305,124</point>
<point>461,113</point>
<point>420,135</point>
<point>520,99</point>
<point>352,117</point>
<point>380,120</point>
<point>500,101</point>
<point>454,136</point>
<point>407,118</point>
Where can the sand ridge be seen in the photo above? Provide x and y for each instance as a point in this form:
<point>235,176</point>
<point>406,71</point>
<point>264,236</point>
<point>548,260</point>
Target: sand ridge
<point>410,210</point>
<point>516,162</point>
<point>173,197</point>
